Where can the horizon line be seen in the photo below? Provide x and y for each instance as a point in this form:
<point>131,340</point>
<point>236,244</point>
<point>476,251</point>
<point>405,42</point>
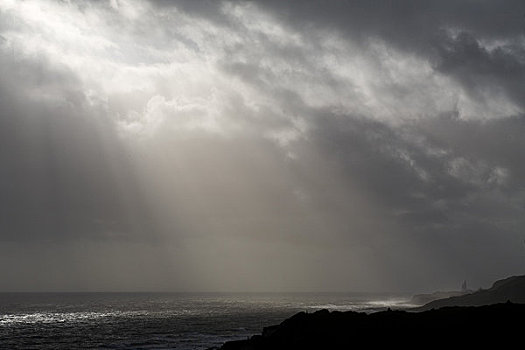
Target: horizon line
<point>200,292</point>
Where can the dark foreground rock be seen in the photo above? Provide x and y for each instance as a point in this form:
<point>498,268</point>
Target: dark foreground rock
<point>452,327</point>
<point>508,289</point>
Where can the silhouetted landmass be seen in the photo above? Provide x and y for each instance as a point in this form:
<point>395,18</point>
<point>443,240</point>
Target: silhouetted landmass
<point>508,289</point>
<point>490,317</point>
<point>451,327</point>
<point>422,299</point>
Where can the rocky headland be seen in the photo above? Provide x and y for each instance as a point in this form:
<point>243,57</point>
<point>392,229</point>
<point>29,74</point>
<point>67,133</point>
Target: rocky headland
<point>508,289</point>
<point>491,317</point>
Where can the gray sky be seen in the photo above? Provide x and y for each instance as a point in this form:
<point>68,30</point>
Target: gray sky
<point>261,146</point>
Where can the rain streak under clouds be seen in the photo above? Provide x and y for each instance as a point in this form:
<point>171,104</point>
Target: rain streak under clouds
<point>261,146</point>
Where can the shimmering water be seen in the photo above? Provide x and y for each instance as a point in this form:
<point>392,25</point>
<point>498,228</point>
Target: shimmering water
<point>157,320</point>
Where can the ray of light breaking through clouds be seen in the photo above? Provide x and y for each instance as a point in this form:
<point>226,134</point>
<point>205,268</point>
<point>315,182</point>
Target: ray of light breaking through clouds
<point>272,145</point>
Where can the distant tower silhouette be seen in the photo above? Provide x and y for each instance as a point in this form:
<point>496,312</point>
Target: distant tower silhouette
<point>464,286</point>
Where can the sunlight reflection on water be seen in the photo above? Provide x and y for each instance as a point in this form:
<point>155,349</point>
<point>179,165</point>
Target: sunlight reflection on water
<point>160,321</point>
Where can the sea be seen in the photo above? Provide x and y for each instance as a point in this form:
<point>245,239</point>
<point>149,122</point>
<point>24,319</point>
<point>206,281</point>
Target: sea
<point>160,320</point>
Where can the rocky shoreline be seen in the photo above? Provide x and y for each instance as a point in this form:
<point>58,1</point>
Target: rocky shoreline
<point>486,317</point>
<point>449,327</point>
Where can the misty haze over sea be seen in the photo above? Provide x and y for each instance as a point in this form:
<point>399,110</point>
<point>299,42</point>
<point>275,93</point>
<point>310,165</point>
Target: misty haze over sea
<point>159,320</point>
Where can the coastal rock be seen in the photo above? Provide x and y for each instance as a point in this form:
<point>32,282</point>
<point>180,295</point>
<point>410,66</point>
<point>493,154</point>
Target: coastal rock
<point>508,289</point>
<point>422,299</point>
<point>448,327</point>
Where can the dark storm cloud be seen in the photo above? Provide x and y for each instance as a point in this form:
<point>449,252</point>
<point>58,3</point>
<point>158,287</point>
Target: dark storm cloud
<point>450,161</point>
<point>447,33</point>
<point>358,144</point>
<point>409,23</point>
<point>457,191</point>
<point>484,71</point>
<point>443,173</point>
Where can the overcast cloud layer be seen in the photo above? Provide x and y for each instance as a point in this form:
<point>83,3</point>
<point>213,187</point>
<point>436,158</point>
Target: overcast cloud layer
<point>261,146</point>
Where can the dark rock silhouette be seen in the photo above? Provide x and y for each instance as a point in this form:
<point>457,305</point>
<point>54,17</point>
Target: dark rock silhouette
<point>508,289</point>
<point>486,318</point>
<point>449,327</point>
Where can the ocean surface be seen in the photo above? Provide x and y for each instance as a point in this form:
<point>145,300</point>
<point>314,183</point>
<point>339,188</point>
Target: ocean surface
<point>159,320</point>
